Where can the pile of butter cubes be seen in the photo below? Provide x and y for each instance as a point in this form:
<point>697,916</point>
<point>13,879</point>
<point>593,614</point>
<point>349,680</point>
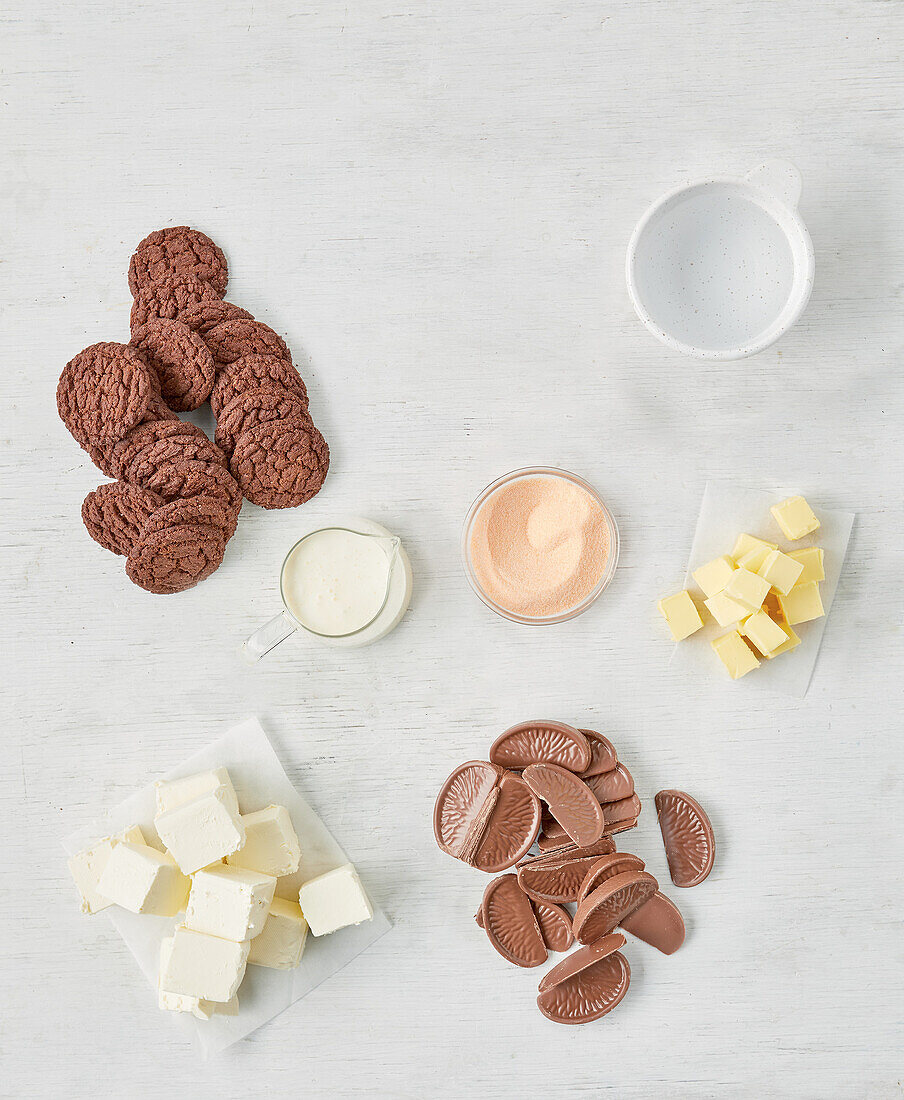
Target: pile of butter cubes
<point>219,869</point>
<point>758,588</point>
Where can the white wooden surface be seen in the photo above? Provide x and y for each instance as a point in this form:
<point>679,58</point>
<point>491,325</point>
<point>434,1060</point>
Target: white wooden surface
<point>432,202</point>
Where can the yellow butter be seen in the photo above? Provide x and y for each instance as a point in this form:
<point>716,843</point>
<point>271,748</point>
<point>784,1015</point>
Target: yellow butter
<point>781,571</point>
<point>812,558</point>
<point>790,643</point>
<point>681,613</point>
<point>713,576</point>
<point>802,604</point>
<point>724,609</point>
<point>747,588</point>
<point>765,634</point>
<point>795,517</point>
<point>752,549</point>
<point>735,654</point>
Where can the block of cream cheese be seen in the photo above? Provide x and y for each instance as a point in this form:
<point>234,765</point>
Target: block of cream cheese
<point>735,654</point>
<point>713,576</point>
<point>143,880</point>
<point>203,966</point>
<point>230,902</point>
<point>271,843</point>
<point>179,1002</point>
<point>681,613</point>
<point>795,517</point>
<point>812,558</point>
<point>746,588</point>
<point>87,866</point>
<point>334,900</point>
<point>171,793</point>
<point>282,941</point>
<point>203,831</point>
<point>781,571</point>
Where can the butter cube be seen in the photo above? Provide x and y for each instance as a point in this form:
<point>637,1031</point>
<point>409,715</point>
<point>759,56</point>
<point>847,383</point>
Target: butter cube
<point>171,793</point>
<point>765,634</point>
<point>713,576</point>
<point>681,613</point>
<point>87,866</point>
<point>735,654</point>
<point>747,588</point>
<point>271,843</point>
<point>282,941</point>
<point>791,642</point>
<point>724,609</point>
<point>802,604</point>
<point>750,551</point>
<point>229,902</point>
<point>795,517</point>
<point>781,571</point>
<point>201,832</point>
<point>203,966</point>
<point>143,880</point>
<point>812,558</point>
<point>334,900</point>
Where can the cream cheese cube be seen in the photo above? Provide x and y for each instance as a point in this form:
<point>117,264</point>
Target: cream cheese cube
<point>781,571</point>
<point>713,576</point>
<point>203,966</point>
<point>735,654</point>
<point>87,866</point>
<point>802,604</point>
<point>724,609</point>
<point>206,1009</point>
<point>681,614</point>
<point>229,902</point>
<point>795,517</point>
<point>747,588</point>
<point>179,1002</point>
<point>765,634</point>
<point>143,880</point>
<point>334,900</point>
<point>750,551</point>
<point>171,793</point>
<point>812,558</point>
<point>271,843</point>
<point>282,941</point>
<point>201,832</point>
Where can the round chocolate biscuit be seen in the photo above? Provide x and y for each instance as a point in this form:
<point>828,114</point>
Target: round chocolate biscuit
<point>169,450</point>
<point>180,357</point>
<point>231,340</point>
<point>103,392</point>
<point>257,407</point>
<point>202,509</point>
<point>115,514</point>
<point>100,456</point>
<point>191,478</point>
<point>175,558</point>
<point>169,298</point>
<point>280,464</point>
<point>144,435</point>
<point>177,250</point>
<point>251,372</point>
<point>202,317</point>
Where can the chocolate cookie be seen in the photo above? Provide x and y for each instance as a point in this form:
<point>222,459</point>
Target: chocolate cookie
<point>177,448</point>
<point>144,435</point>
<point>204,510</point>
<point>169,298</point>
<point>115,514</point>
<point>190,478</point>
<point>103,392</point>
<point>251,372</point>
<point>230,340</point>
<point>182,362</point>
<point>257,407</point>
<point>202,317</point>
<point>280,464</point>
<point>177,250</point>
<point>176,558</point>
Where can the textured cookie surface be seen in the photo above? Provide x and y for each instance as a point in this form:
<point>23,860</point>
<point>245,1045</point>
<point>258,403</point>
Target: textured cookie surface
<point>169,298</point>
<point>175,558</point>
<point>190,478</point>
<point>251,372</point>
<point>181,361</point>
<point>103,392</point>
<point>257,407</point>
<point>203,509</point>
<point>115,514</point>
<point>230,340</point>
<point>202,317</point>
<point>169,450</point>
<point>280,464</point>
<point>178,250</point>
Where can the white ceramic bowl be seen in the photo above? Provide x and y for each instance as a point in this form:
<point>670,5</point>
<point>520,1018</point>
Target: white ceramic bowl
<point>721,268</point>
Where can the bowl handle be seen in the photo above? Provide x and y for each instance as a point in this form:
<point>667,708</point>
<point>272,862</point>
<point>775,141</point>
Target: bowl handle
<point>779,177</point>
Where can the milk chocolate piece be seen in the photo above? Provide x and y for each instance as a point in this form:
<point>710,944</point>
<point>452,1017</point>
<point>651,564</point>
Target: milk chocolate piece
<point>555,925</point>
<point>606,906</point>
<point>586,985</point>
<point>570,801</point>
<point>612,786</point>
<point>607,867</point>
<point>622,814</point>
<point>485,816</point>
<point>603,756</point>
<point>658,923</point>
<point>558,877</point>
<point>541,742</point>
<point>508,919</point>
<point>690,844</point>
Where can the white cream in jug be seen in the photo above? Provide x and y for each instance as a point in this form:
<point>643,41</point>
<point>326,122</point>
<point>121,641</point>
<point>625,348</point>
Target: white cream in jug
<point>335,581</point>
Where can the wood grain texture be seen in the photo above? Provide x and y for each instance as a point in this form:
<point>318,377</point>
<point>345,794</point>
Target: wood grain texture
<point>431,202</point>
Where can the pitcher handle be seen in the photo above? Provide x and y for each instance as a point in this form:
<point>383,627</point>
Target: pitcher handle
<point>267,637</point>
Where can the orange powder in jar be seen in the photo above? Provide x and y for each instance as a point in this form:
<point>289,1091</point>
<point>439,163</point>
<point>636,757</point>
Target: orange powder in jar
<point>539,546</point>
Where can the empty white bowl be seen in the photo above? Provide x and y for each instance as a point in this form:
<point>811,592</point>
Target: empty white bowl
<point>720,269</point>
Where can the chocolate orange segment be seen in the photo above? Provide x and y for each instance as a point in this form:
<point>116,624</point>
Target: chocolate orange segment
<point>513,826</point>
<point>606,906</point>
<point>613,785</point>
<point>508,919</point>
<point>555,925</point>
<point>557,878</point>
<point>541,742</point>
<point>607,867</point>
<point>570,801</point>
<point>623,813</point>
<point>459,803</point>
<point>690,844</point>
<point>657,922</point>
<point>603,756</point>
<point>586,985</point>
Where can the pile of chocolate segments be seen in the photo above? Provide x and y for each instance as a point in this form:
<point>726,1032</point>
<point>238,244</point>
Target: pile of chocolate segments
<point>177,495</point>
<point>564,789</point>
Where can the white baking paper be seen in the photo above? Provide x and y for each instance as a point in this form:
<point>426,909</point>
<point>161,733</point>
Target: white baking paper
<point>726,511</point>
<point>259,780</point>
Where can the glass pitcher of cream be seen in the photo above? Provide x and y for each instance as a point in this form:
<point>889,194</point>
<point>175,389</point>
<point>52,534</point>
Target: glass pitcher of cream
<point>340,584</point>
